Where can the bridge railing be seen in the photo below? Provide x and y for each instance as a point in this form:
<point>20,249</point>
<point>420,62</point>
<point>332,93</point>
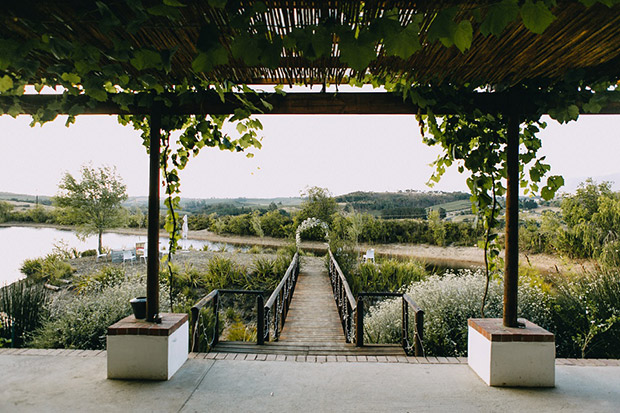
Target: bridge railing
<point>351,312</point>
<point>205,324</point>
<point>278,303</point>
<point>345,301</point>
<point>411,345</point>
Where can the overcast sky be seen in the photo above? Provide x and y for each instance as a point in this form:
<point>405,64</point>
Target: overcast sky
<point>342,153</point>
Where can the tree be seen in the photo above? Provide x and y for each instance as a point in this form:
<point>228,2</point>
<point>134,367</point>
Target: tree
<point>94,202</point>
<point>319,203</point>
<point>5,211</point>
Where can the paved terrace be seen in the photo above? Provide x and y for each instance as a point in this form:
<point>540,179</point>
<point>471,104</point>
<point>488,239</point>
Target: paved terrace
<point>75,380</point>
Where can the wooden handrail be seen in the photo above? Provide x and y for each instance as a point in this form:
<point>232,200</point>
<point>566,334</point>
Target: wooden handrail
<point>345,284</point>
<point>272,299</point>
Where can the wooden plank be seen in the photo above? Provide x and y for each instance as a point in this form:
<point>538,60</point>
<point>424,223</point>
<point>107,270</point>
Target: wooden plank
<point>294,103</point>
<point>312,325</point>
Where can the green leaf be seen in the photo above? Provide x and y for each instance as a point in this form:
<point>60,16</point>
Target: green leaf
<point>573,112</point>
<point>6,83</point>
<point>174,3</point>
<point>146,59</point>
<point>164,11</point>
<point>405,43</point>
<point>271,53</point>
<point>356,52</point>
<point>241,127</point>
<point>443,27</point>
<point>592,107</point>
<point>209,38</point>
<point>463,35</point>
<point>499,16</point>
<point>536,16</point>
<point>97,94</point>
<point>15,110</point>
<point>71,78</point>
<point>246,49</point>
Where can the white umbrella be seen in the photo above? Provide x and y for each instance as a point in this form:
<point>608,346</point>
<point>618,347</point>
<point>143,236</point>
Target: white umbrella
<point>185,228</point>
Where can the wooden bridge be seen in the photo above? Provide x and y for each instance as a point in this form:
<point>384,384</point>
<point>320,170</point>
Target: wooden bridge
<point>313,325</point>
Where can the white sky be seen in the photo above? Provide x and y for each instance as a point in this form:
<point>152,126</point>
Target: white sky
<point>342,153</point>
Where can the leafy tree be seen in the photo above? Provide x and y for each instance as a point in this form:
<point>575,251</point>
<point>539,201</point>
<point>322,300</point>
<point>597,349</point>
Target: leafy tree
<point>94,202</point>
<point>5,211</point>
<point>319,203</point>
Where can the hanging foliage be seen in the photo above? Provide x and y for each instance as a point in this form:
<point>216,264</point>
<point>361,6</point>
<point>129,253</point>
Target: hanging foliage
<point>135,55</point>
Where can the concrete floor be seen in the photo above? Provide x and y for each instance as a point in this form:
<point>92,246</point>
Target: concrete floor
<point>53,383</point>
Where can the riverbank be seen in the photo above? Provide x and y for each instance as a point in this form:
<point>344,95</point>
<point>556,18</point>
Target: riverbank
<point>433,255</point>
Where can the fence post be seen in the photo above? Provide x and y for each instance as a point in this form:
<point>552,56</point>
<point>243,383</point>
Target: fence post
<point>419,333</point>
<point>405,324</point>
<point>359,323</point>
<point>260,322</point>
<point>195,314</point>
<point>216,333</point>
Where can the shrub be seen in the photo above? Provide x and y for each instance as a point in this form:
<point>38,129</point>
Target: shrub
<point>255,249</point>
<point>448,302</point>
<point>587,315</point>
<point>89,253</point>
<point>81,321</point>
<point>49,269</point>
<point>238,331</point>
<point>224,273</point>
<point>107,276</point>
<point>387,275</point>
<point>22,310</point>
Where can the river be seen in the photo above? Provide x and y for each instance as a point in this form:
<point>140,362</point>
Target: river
<point>20,243</point>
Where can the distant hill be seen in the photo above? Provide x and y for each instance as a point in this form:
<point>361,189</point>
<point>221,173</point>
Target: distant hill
<point>31,199</point>
<point>408,204</point>
<point>208,205</point>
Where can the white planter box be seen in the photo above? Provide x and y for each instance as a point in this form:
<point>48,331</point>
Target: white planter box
<point>505,356</point>
<point>141,350</point>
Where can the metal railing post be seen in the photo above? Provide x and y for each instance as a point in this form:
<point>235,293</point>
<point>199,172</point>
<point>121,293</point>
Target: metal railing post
<point>216,333</point>
<point>260,322</point>
<point>405,324</point>
<point>418,336</point>
<point>195,314</point>
<point>359,323</point>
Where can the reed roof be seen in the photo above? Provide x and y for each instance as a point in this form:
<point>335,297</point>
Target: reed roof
<point>580,38</point>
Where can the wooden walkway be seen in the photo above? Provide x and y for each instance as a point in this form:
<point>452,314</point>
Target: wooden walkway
<point>312,325</point>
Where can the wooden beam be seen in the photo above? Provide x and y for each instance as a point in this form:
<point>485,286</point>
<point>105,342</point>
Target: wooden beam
<point>294,103</point>
<point>511,258</point>
<point>152,266</point>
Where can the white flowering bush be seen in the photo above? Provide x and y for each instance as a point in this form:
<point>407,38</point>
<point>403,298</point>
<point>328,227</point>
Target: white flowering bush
<point>306,225</point>
<point>448,301</point>
<point>81,321</point>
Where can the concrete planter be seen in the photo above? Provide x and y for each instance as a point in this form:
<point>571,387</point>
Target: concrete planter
<point>142,350</point>
<point>514,357</point>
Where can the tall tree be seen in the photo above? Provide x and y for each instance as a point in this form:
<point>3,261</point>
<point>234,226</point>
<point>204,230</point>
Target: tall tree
<point>94,202</point>
<point>318,203</point>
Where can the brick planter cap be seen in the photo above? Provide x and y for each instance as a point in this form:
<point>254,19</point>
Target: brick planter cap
<point>493,329</point>
<point>170,322</point>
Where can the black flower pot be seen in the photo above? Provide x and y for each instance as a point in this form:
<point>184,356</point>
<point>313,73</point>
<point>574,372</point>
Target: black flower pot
<point>138,305</point>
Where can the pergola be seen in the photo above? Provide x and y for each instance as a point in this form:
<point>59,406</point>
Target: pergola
<point>161,57</point>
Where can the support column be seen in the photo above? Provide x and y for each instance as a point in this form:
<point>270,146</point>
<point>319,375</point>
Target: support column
<point>511,259</point>
<point>152,269</point>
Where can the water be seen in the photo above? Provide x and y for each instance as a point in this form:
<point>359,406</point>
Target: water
<point>20,243</point>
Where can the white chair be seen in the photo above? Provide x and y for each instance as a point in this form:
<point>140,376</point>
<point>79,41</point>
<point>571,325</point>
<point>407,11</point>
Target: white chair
<point>129,255</point>
<point>370,255</point>
<point>102,255</point>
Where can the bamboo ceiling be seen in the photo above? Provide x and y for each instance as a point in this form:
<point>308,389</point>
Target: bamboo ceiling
<point>579,38</point>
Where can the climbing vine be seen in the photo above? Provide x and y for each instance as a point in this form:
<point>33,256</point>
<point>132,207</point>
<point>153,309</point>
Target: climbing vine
<point>122,73</point>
